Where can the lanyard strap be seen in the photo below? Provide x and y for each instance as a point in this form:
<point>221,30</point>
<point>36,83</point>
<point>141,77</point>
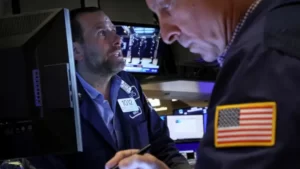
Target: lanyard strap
<point>125,87</point>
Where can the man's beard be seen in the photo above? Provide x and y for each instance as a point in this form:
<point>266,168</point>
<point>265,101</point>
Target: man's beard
<point>102,66</point>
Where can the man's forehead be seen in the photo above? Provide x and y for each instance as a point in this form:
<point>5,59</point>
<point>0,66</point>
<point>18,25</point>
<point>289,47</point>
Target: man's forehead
<point>90,19</point>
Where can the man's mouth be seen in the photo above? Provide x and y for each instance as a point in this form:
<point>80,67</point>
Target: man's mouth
<point>116,53</point>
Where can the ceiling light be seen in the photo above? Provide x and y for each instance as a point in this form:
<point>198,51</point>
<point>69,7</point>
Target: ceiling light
<point>154,102</point>
<point>161,109</point>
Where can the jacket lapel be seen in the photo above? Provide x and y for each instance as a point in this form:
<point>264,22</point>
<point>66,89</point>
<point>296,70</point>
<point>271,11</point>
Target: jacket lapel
<point>89,112</point>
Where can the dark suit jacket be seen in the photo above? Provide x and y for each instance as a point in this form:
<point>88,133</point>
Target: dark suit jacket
<point>262,66</point>
<point>138,128</point>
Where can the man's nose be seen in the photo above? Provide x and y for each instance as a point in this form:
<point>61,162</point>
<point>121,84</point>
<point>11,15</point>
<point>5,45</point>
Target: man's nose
<point>117,41</point>
<point>169,32</point>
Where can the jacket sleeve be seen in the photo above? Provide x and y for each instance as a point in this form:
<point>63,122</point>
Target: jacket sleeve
<point>163,147</point>
<point>270,76</point>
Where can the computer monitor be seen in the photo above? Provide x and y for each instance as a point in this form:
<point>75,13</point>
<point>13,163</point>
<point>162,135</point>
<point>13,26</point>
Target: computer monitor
<point>190,111</point>
<point>39,103</point>
<point>141,46</point>
<point>186,128</point>
<point>193,111</point>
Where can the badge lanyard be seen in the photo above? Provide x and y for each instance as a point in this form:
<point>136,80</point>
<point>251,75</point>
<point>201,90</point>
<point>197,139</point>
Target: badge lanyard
<point>125,87</point>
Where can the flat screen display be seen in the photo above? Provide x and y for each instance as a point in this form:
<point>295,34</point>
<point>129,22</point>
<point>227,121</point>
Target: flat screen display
<point>141,47</point>
<point>189,127</point>
<point>193,111</point>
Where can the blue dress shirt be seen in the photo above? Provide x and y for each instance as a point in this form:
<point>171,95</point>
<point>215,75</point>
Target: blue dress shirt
<point>105,109</point>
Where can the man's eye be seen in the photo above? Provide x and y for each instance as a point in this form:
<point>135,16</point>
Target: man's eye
<point>166,6</point>
<point>101,33</point>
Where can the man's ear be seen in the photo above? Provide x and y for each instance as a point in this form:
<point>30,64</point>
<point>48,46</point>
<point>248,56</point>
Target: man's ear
<point>78,51</point>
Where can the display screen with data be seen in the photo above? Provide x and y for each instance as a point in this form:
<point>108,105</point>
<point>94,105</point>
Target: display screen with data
<point>187,127</point>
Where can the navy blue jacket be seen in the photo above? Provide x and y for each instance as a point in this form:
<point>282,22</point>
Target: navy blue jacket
<point>139,130</point>
<point>262,66</point>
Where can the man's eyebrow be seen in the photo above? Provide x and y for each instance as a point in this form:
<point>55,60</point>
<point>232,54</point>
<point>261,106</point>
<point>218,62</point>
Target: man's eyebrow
<point>99,24</point>
<point>161,3</point>
<point>103,25</point>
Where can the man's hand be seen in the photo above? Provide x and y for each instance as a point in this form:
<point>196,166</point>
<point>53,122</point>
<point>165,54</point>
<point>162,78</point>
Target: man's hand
<point>128,159</point>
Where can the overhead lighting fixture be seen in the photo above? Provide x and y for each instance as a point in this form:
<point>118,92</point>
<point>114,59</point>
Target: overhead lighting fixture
<point>174,100</point>
<point>154,102</point>
<point>161,109</point>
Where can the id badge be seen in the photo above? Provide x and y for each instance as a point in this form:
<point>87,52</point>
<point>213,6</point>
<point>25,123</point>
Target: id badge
<point>128,105</point>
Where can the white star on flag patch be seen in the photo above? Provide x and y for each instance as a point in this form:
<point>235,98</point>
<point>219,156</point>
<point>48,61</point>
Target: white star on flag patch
<point>245,125</point>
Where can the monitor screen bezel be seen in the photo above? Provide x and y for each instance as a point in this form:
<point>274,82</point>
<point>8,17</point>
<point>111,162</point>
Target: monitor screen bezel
<point>148,26</point>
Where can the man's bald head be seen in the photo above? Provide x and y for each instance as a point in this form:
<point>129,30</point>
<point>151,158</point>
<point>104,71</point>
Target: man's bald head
<point>203,26</point>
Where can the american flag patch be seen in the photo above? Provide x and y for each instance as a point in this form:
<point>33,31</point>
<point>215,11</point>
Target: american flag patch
<point>244,125</point>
